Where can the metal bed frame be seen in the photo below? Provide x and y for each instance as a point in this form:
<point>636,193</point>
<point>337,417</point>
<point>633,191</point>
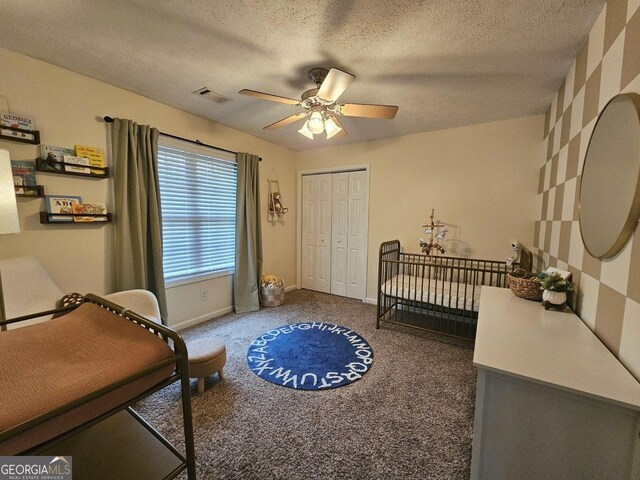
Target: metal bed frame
<point>181,373</point>
<point>425,277</point>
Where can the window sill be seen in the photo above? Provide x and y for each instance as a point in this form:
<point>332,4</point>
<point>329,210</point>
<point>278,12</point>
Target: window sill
<point>197,279</point>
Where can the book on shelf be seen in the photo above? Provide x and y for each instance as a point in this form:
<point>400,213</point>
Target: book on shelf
<point>16,121</point>
<point>28,191</point>
<point>95,156</point>
<point>75,164</point>
<point>91,209</point>
<point>24,173</point>
<point>53,157</point>
<point>61,204</point>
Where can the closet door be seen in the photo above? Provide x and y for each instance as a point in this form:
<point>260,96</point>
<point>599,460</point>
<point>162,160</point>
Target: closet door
<point>308,232</point>
<point>323,233</point>
<point>358,216</point>
<point>339,233</point>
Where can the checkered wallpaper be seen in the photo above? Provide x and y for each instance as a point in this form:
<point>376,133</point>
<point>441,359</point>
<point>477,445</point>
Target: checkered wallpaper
<point>608,296</point>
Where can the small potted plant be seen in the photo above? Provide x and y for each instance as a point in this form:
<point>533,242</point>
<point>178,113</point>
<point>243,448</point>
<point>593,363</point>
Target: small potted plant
<point>554,289</point>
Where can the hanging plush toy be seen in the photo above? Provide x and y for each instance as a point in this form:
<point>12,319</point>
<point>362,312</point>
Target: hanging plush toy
<point>275,209</point>
<point>277,204</point>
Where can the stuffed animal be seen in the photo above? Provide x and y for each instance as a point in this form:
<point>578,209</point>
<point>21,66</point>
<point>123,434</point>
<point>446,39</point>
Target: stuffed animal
<point>517,248</point>
<point>277,204</point>
<point>269,279</point>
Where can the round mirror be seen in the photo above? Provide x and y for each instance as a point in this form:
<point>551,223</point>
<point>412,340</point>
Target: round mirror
<point>609,194</point>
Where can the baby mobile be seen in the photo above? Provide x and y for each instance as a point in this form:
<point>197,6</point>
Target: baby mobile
<point>437,232</point>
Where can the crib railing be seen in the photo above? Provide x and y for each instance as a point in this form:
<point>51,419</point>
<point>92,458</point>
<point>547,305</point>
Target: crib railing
<point>436,293</point>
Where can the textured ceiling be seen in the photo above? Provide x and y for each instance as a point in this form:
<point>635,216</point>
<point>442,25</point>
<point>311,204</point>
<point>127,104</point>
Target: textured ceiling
<point>446,63</point>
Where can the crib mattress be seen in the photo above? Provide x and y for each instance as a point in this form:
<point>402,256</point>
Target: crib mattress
<point>446,294</point>
<point>46,366</point>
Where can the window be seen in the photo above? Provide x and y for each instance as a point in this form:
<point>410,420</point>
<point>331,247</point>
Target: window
<point>198,200</point>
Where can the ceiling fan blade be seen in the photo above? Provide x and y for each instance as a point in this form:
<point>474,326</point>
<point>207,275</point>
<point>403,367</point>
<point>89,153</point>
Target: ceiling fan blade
<point>286,121</point>
<point>268,96</point>
<point>334,84</point>
<point>368,111</point>
<point>343,132</point>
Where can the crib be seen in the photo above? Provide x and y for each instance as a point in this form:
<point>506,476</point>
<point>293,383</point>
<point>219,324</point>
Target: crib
<point>434,293</point>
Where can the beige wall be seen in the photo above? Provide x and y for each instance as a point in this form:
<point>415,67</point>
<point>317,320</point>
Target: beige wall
<point>480,179</point>
<point>608,297</point>
<point>64,106</point>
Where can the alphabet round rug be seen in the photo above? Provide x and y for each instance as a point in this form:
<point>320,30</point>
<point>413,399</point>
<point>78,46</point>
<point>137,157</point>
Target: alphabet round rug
<point>310,356</point>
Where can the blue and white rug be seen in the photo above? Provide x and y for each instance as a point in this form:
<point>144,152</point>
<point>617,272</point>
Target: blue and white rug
<point>310,356</point>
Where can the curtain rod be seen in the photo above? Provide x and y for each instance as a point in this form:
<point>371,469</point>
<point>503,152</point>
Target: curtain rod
<point>108,119</point>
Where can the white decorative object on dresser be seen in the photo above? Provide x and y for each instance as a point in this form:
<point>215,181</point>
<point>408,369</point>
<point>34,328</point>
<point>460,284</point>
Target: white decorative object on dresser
<point>551,401</point>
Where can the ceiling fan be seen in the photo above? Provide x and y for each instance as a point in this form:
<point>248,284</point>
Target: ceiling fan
<point>320,104</point>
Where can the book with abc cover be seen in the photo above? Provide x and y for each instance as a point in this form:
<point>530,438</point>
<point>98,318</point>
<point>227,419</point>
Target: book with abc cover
<point>60,204</point>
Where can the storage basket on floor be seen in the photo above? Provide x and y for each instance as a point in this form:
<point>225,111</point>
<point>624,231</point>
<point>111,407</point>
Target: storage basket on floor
<point>272,297</point>
<point>524,285</point>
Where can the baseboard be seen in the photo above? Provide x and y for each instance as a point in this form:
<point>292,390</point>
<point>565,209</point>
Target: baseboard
<point>201,318</point>
<point>372,301</point>
<point>217,313</point>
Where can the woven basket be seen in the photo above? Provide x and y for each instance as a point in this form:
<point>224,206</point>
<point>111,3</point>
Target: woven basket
<point>272,297</point>
<point>524,284</point>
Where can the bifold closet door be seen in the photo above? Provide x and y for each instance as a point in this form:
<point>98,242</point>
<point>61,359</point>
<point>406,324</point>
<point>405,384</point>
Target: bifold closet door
<point>308,232</point>
<point>349,234</point>
<point>358,221</point>
<point>339,233</point>
<point>316,232</point>
<point>334,233</point>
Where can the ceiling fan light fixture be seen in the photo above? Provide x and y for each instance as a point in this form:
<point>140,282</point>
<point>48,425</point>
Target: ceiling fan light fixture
<point>305,130</point>
<point>320,107</point>
<point>331,127</point>
<point>316,122</point>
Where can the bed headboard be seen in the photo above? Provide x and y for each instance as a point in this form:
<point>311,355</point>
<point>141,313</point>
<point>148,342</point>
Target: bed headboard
<point>388,251</point>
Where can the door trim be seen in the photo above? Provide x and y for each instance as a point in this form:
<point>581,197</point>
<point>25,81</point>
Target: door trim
<point>316,171</point>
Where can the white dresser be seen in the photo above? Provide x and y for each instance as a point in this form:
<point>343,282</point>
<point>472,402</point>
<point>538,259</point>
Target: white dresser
<point>552,402</point>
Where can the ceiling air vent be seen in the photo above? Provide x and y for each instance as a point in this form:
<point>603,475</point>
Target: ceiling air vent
<point>204,92</point>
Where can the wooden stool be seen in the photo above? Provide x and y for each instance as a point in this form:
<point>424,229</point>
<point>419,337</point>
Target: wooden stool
<point>206,356</point>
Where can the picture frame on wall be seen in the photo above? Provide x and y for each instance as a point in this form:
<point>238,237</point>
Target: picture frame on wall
<point>60,204</point>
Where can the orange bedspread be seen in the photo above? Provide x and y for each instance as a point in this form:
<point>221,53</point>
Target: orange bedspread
<point>45,366</point>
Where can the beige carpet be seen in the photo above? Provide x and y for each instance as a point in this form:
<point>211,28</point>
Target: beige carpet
<point>409,417</point>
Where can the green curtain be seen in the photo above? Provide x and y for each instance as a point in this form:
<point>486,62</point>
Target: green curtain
<point>246,281</point>
<point>138,222</point>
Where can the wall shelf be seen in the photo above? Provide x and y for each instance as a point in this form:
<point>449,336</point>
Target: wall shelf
<point>38,191</point>
<point>49,218</point>
<point>12,138</point>
<point>42,167</point>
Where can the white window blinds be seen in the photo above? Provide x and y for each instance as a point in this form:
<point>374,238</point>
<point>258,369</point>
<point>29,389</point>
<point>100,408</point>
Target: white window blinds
<point>198,201</point>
